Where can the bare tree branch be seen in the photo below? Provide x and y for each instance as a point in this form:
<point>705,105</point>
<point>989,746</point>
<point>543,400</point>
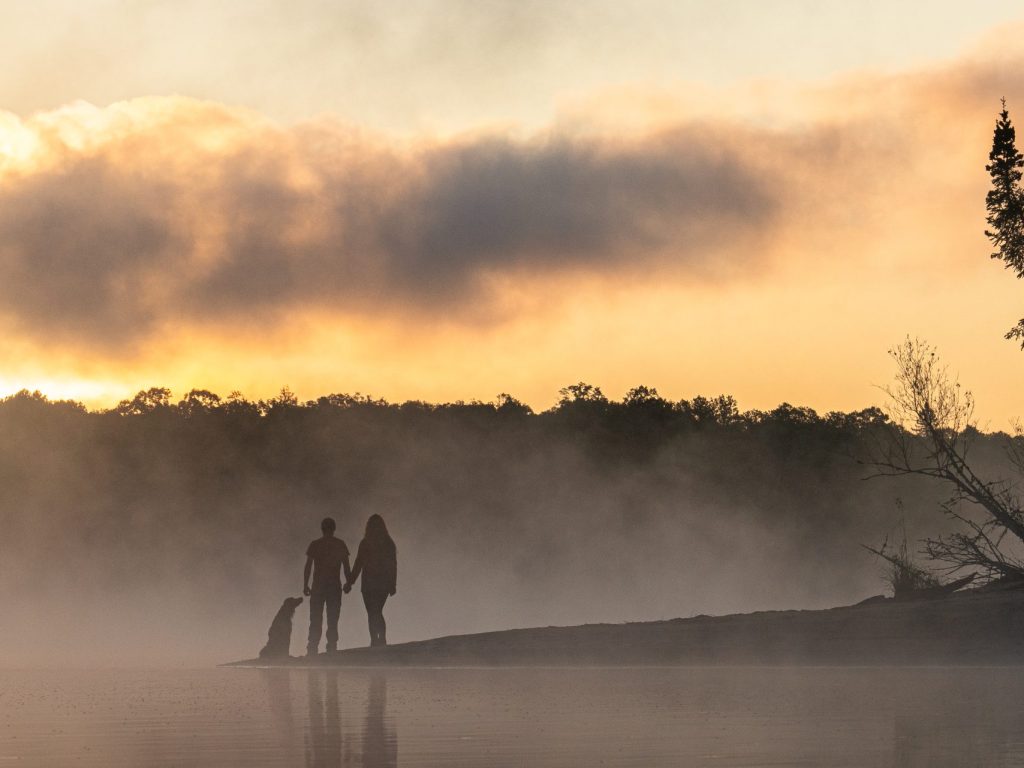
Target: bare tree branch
<point>932,422</point>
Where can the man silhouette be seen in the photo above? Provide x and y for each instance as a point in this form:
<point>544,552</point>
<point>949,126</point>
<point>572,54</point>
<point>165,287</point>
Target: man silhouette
<point>325,558</point>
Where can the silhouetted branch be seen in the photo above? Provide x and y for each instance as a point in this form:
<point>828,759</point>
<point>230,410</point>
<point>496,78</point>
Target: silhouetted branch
<point>931,437</point>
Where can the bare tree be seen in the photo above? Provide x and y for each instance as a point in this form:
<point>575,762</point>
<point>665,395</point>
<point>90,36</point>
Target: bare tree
<point>932,422</point>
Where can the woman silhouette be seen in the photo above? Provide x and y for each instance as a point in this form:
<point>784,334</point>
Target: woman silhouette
<point>377,561</point>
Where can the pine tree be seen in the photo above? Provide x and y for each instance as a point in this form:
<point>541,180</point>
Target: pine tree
<point>1004,200</point>
<point>1005,203</point>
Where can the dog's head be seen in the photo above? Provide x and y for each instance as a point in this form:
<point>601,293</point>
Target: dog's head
<point>291,603</point>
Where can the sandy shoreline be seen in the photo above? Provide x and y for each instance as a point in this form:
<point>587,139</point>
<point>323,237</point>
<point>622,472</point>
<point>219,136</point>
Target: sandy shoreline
<point>969,628</point>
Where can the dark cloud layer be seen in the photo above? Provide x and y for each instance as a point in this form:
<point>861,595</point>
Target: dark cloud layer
<point>161,221</point>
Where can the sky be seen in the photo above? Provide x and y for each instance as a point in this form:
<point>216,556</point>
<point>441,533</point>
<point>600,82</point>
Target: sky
<point>449,200</point>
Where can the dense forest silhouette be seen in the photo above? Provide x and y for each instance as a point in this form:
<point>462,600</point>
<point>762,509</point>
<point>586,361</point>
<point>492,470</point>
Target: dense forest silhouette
<point>182,523</point>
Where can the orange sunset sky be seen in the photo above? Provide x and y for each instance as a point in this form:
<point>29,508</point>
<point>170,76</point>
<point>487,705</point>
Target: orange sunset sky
<point>448,200</point>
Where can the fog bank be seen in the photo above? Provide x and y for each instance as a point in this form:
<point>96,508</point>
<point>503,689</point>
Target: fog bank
<point>170,534</point>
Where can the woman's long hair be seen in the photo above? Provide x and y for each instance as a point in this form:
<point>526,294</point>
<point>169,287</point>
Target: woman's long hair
<point>377,533</point>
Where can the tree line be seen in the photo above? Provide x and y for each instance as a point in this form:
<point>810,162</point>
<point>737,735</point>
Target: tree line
<point>577,403</point>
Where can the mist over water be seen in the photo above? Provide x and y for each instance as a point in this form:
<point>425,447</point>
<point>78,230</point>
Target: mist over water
<point>156,538</point>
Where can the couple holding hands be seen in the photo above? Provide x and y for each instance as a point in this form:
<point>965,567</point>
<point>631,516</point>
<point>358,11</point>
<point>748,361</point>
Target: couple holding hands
<point>326,558</point>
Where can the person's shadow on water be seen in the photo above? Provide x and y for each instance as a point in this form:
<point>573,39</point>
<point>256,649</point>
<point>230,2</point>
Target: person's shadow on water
<point>380,746</point>
<point>323,732</point>
<point>279,696</point>
<point>324,745</point>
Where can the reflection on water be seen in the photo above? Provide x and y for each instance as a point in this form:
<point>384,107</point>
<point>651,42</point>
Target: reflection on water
<point>279,698</point>
<point>329,738</point>
<point>897,718</point>
<point>380,747</point>
<point>323,733</point>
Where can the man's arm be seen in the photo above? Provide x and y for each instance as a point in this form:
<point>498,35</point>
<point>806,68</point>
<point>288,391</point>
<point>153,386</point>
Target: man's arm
<point>348,573</point>
<point>305,575</point>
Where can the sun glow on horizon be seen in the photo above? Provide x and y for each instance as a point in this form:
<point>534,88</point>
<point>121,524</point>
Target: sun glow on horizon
<point>92,393</point>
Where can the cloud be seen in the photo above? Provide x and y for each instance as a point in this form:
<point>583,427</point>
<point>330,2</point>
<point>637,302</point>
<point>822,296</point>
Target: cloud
<point>122,220</point>
<point>496,205</point>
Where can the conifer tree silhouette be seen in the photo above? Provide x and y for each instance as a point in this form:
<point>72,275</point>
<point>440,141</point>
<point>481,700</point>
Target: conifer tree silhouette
<point>1005,203</point>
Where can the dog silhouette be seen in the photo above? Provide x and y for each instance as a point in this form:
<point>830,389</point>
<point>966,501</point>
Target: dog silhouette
<point>279,636</point>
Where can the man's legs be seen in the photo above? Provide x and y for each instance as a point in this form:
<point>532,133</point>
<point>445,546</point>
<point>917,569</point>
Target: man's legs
<point>333,611</point>
<point>316,621</point>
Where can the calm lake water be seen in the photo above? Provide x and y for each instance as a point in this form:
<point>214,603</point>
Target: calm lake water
<point>514,717</point>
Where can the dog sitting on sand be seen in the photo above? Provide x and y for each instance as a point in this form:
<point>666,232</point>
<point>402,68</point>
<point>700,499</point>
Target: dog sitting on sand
<point>279,636</point>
